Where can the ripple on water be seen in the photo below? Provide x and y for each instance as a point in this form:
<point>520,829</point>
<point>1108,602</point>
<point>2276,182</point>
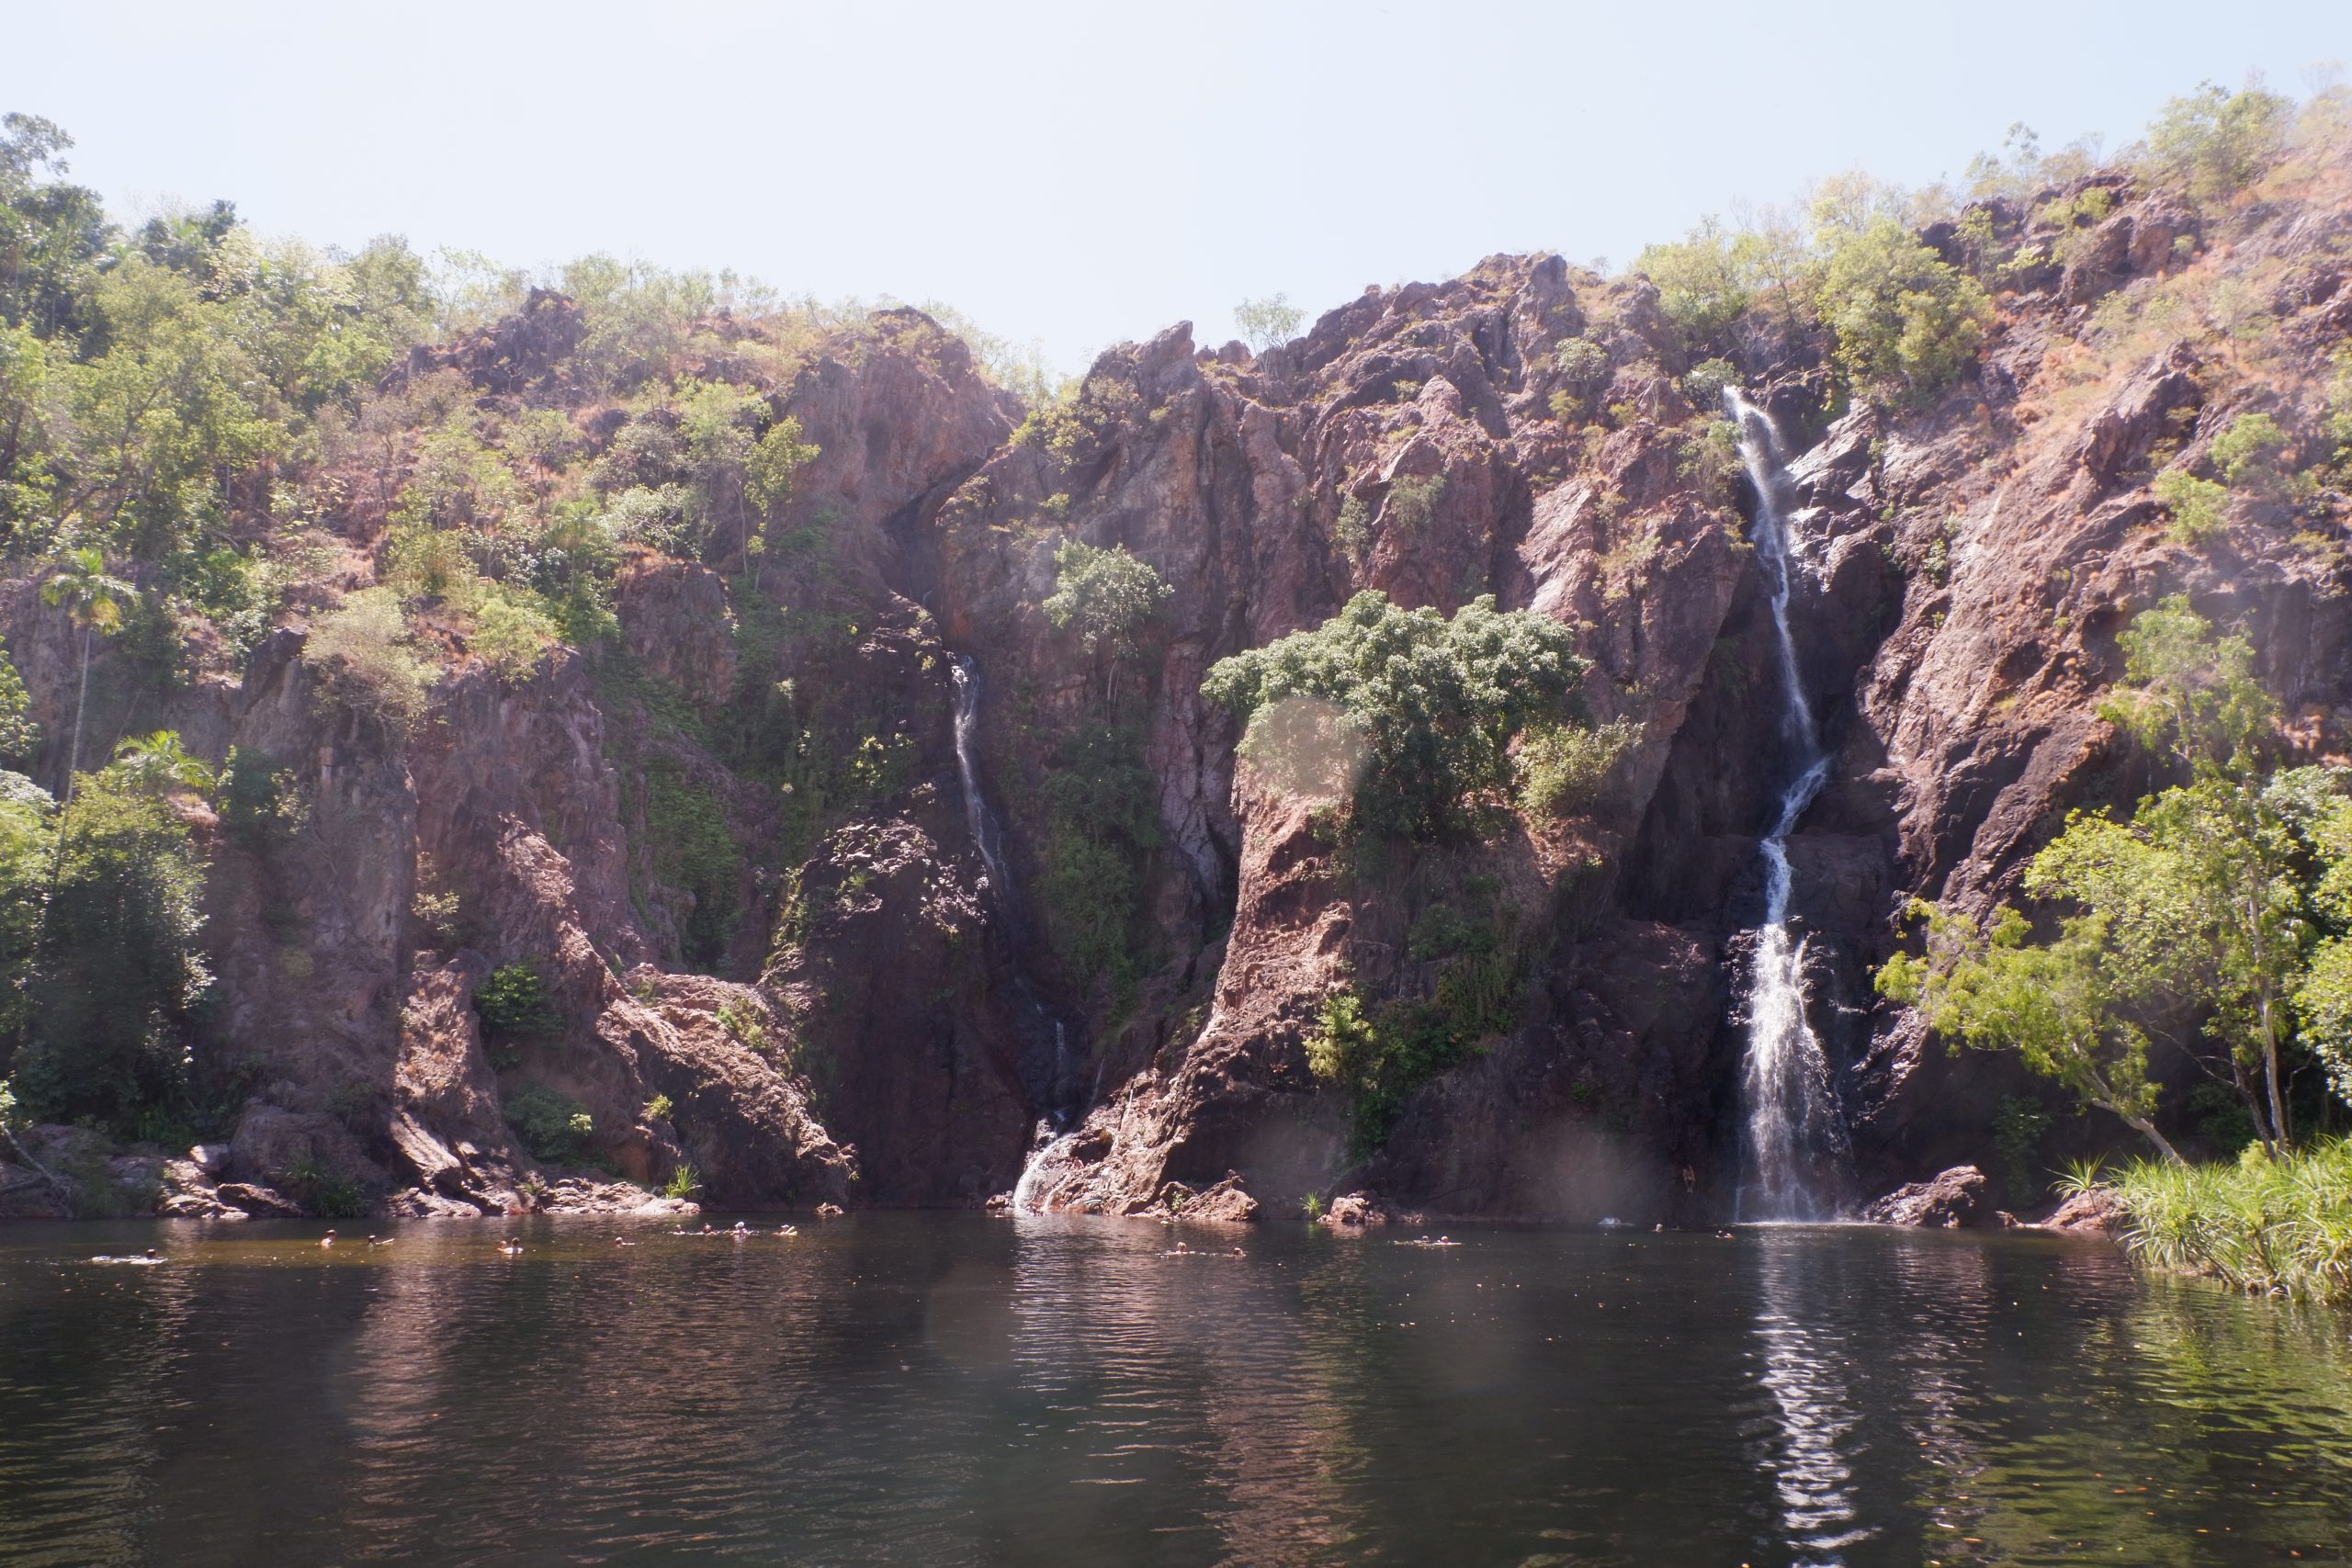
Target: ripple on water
<point>948,1389</point>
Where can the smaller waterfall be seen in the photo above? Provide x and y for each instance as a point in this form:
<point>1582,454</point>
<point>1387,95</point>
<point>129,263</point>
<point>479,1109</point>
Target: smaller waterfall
<point>1793,1129</point>
<point>986,835</point>
<point>1052,1084</point>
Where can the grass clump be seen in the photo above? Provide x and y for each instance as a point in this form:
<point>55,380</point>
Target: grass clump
<point>2271,1225</point>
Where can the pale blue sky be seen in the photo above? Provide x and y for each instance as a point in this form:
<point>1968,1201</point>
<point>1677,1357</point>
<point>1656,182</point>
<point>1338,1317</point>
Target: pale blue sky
<point>1088,171</point>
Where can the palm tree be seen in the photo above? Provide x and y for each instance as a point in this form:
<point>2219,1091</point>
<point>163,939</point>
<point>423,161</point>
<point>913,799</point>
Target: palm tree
<point>94,602</point>
<point>157,762</point>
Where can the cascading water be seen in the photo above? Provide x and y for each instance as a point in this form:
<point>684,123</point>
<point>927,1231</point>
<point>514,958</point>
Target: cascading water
<point>978,817</point>
<point>1050,1140</point>
<point>1794,1134</point>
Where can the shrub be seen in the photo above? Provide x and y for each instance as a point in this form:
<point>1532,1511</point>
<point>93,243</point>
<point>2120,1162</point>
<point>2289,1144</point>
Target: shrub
<point>260,805</point>
<point>509,634</point>
<point>2198,507</point>
<point>691,849</point>
<point>1433,702</point>
<point>19,734</point>
<point>366,661</point>
<point>1701,285</point>
<point>1380,1056</point>
<point>1352,530</point>
<point>553,1126</point>
<point>684,1183</point>
<point>1704,382</point>
<point>1412,500</point>
<point>659,1109</point>
<point>1563,767</point>
<point>423,563</point>
<point>744,1024</point>
<point>514,1003</point>
<point>1580,360</point>
<point>2278,1226</point>
<point>2250,453</point>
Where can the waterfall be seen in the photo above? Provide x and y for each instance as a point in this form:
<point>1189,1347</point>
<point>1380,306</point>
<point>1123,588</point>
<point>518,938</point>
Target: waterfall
<point>997,893</point>
<point>981,822</point>
<point>1793,1129</point>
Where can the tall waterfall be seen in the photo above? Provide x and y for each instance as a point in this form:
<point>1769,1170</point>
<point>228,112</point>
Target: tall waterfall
<point>1051,1138</point>
<point>1793,1133</point>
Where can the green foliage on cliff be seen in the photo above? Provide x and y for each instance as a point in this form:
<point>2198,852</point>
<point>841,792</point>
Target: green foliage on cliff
<point>1380,1054</point>
<point>552,1125</point>
<point>1907,322</point>
<point>514,1003</point>
<point>1102,825</point>
<point>2226,898</point>
<point>2215,141</point>
<point>1433,702</point>
<point>115,964</point>
<point>1105,598</point>
<point>691,848</point>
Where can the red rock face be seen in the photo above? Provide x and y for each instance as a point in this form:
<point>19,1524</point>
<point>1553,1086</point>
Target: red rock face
<point>866,1029</point>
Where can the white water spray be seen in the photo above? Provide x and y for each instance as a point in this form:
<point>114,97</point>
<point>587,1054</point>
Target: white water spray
<point>1793,1129</point>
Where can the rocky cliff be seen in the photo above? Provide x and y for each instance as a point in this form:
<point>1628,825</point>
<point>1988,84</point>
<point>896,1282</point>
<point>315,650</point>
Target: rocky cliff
<point>733,839</point>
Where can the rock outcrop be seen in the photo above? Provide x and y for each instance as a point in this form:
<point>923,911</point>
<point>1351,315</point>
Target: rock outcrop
<point>736,847</point>
<point>1952,1198</point>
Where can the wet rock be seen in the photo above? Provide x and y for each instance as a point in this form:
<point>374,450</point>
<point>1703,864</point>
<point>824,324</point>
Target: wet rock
<point>2098,1212</point>
<point>1225,1203</point>
<point>1949,1199</point>
<point>258,1202</point>
<point>1355,1210</point>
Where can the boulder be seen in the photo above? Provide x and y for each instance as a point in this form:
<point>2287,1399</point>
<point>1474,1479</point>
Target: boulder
<point>1224,1203</point>
<point>2098,1212</point>
<point>1949,1199</point>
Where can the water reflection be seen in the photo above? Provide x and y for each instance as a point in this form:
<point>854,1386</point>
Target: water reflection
<point>1805,1355</point>
<point>943,1389</point>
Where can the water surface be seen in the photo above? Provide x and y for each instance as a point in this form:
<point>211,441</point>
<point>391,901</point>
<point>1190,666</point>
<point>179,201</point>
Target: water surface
<point>949,1389</point>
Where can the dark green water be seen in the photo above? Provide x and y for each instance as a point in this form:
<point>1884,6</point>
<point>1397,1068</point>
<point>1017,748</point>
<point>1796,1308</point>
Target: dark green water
<point>948,1389</point>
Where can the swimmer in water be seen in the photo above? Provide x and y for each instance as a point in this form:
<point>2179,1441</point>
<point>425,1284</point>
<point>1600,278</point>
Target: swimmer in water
<point>327,1240</point>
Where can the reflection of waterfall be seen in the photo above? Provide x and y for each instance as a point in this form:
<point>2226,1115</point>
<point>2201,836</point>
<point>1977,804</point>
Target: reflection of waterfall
<point>1794,1128</point>
<point>1805,1366</point>
<point>1049,1037</point>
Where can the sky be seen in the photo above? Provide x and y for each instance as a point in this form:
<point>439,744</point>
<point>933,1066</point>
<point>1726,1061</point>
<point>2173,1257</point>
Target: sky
<point>1078,174</point>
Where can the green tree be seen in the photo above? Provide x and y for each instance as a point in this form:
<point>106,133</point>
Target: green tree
<point>1107,597</point>
<point>53,235</point>
<point>19,734</point>
<point>2060,1005</point>
<point>1907,322</point>
<point>774,467</point>
<point>2216,142</point>
<point>2189,693</point>
<point>1703,285</point>
<point>1269,323</point>
<point>118,965</point>
<point>1434,703</point>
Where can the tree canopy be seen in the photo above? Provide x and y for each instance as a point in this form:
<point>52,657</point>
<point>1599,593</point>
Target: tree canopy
<point>1435,702</point>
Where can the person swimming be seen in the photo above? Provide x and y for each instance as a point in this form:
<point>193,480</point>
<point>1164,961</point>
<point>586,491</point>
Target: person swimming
<point>327,1240</point>
<point>511,1248</point>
